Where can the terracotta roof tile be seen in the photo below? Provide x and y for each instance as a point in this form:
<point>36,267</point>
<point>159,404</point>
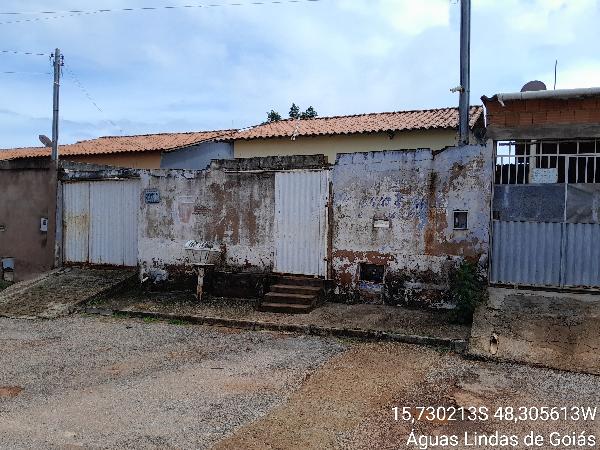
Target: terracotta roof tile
<point>444,118</point>
<point>120,144</point>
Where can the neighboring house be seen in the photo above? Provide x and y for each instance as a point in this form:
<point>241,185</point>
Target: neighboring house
<point>192,150</point>
<point>545,240</point>
<point>432,128</point>
<point>546,205</point>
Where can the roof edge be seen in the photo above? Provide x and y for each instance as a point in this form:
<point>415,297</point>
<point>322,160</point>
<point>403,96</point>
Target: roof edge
<point>536,95</point>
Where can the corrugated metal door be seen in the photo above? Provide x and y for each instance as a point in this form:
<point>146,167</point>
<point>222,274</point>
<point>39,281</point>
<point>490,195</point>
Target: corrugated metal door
<point>526,253</point>
<point>546,254</point>
<point>76,220</point>
<point>100,222</point>
<point>582,254</point>
<point>301,222</point>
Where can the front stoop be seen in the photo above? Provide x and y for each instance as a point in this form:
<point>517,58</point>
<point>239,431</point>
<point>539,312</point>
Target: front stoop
<point>293,295</point>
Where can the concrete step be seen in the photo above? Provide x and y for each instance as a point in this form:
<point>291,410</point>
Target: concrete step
<point>294,289</point>
<point>299,281</point>
<point>284,308</point>
<point>292,299</point>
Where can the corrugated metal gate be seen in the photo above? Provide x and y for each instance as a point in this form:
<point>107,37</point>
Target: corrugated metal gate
<point>546,254</point>
<point>301,222</point>
<point>100,221</point>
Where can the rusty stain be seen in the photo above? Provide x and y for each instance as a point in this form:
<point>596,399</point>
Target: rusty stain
<point>346,273</point>
<point>10,391</point>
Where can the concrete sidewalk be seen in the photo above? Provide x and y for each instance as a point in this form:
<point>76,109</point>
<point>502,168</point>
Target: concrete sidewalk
<point>58,292</point>
<point>378,322</point>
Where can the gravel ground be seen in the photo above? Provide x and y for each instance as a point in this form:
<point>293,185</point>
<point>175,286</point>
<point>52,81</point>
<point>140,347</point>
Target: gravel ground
<point>122,383</point>
<point>348,403</point>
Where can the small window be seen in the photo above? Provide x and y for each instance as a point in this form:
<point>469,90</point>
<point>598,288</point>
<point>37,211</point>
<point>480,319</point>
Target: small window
<point>371,272</point>
<point>461,220</point>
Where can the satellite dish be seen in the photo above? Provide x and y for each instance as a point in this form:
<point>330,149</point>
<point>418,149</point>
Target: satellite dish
<point>533,86</point>
<point>45,140</point>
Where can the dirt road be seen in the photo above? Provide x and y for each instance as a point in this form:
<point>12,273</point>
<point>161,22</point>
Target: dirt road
<point>86,382</point>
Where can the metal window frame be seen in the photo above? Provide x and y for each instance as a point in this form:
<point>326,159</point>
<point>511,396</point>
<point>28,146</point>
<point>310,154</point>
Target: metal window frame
<point>454,212</point>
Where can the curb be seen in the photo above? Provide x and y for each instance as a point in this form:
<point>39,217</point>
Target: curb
<point>456,345</point>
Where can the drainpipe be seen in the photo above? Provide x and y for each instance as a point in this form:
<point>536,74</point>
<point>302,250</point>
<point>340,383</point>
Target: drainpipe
<point>465,71</point>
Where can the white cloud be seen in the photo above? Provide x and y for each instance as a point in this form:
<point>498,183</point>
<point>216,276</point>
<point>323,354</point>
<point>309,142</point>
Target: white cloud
<point>582,75</point>
<point>206,68</point>
<point>406,16</point>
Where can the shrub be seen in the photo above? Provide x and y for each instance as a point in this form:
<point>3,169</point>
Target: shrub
<point>468,289</point>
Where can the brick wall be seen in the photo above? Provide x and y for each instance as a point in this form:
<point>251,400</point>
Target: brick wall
<point>523,113</point>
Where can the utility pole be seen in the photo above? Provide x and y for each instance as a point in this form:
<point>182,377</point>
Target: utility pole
<point>58,63</point>
<point>465,71</point>
<point>55,184</point>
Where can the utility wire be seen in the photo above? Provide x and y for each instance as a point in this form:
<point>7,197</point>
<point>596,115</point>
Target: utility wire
<point>17,52</point>
<point>128,139</point>
<point>131,139</point>
<point>76,12</point>
<point>12,72</point>
<point>87,94</point>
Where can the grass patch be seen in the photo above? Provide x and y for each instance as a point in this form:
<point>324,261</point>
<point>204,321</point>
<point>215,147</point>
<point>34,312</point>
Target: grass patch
<point>150,319</point>
<point>4,284</point>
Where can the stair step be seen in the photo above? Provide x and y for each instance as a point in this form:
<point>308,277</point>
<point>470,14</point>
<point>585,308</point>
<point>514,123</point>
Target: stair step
<point>285,308</point>
<point>295,289</point>
<point>300,281</point>
<point>287,298</point>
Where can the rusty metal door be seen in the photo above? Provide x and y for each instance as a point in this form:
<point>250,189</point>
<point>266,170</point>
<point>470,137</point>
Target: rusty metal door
<point>301,222</point>
<point>100,222</point>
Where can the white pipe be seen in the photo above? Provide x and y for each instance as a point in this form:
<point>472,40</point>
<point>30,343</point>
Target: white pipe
<point>560,93</point>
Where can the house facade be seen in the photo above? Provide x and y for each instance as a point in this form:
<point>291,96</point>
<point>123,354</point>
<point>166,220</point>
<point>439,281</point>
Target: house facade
<point>546,221</point>
<point>330,136</point>
<point>545,232</point>
<point>193,150</point>
<point>384,222</point>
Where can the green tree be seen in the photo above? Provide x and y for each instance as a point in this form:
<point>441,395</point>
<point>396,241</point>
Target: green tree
<point>294,112</point>
<point>310,113</point>
<point>273,116</point>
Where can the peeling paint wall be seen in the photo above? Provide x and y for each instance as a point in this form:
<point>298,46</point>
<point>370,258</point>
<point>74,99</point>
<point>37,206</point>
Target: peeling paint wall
<point>413,194</point>
<point>234,209</point>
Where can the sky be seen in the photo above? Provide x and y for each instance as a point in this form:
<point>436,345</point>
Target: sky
<point>193,69</point>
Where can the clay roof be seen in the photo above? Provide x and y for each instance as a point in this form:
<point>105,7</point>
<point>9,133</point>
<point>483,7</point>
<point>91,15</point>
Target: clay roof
<point>428,119</point>
<point>120,144</point>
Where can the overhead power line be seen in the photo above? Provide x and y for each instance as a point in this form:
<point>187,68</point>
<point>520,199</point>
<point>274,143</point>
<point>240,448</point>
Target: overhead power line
<point>87,94</point>
<point>49,15</point>
<point>17,52</point>
<point>14,72</point>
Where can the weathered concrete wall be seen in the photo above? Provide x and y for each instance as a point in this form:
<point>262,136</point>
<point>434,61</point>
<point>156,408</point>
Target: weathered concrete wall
<point>28,193</point>
<point>416,192</point>
<point>234,209</point>
<point>553,329</point>
<point>230,204</point>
